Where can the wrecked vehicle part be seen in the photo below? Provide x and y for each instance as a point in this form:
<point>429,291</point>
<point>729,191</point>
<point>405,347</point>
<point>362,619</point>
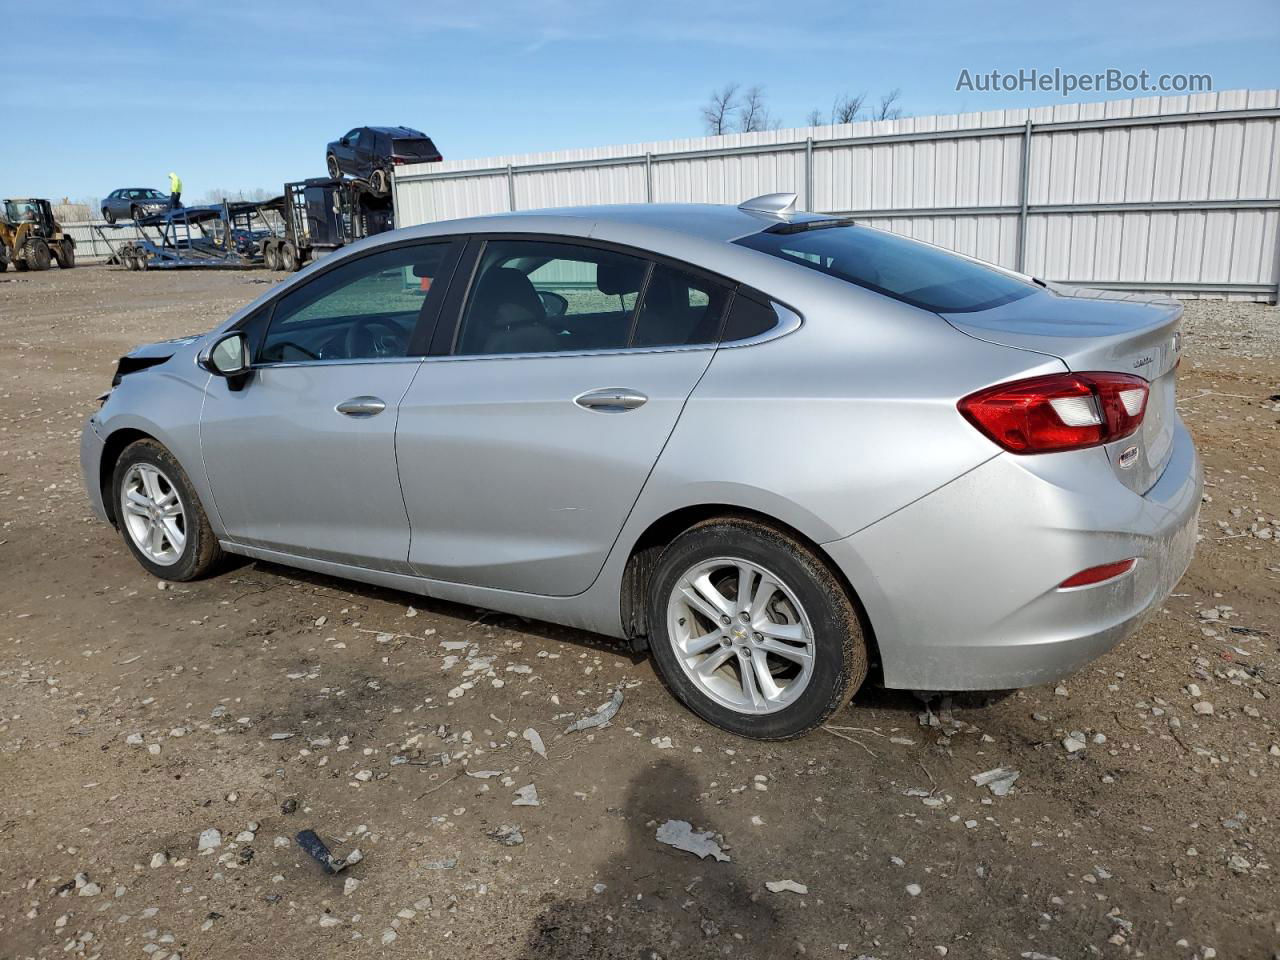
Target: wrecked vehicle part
<point>310,841</point>
<point>600,717</point>
<point>681,835</point>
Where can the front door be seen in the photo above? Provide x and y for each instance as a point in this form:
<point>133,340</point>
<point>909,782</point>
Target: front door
<point>523,451</point>
<point>301,459</point>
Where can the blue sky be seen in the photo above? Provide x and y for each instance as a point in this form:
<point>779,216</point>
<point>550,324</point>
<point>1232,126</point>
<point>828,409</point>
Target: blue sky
<point>243,95</point>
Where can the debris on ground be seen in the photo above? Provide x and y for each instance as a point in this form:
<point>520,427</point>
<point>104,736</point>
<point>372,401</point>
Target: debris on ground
<point>535,742</point>
<point>209,840</point>
<point>681,835</point>
<point>603,715</point>
<point>785,886</point>
<point>309,841</point>
<point>526,797</point>
<point>998,780</point>
<point>507,835</point>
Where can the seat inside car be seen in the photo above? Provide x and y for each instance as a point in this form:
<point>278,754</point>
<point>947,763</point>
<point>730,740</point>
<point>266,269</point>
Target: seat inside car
<point>506,316</point>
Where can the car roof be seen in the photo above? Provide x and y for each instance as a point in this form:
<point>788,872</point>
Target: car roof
<point>706,221</point>
<point>399,132</point>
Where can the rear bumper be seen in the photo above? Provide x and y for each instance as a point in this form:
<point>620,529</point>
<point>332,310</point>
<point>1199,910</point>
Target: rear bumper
<point>961,586</point>
<point>91,446</point>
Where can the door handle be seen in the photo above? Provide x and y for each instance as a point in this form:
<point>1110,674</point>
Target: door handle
<point>361,407</point>
<point>611,400</point>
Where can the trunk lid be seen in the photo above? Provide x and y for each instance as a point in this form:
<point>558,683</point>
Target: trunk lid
<point>1101,330</point>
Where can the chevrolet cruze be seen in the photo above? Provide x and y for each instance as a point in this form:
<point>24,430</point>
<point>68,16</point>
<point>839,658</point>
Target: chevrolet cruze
<point>769,447</point>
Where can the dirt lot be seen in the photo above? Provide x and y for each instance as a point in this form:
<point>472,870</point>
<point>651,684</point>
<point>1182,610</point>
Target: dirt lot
<point>134,719</point>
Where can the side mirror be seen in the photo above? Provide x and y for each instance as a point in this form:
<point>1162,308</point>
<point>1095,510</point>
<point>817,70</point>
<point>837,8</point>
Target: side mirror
<point>345,142</point>
<point>228,356</point>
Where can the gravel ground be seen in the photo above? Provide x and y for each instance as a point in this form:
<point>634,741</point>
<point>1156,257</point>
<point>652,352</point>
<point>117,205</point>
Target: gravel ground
<point>162,745</point>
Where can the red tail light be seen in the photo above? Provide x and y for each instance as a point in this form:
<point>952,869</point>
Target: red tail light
<point>398,160</point>
<point>1063,411</point>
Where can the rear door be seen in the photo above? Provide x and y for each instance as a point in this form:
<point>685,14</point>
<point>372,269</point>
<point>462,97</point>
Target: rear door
<point>524,446</point>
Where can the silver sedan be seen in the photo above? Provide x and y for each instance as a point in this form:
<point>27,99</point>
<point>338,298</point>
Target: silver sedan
<point>774,449</point>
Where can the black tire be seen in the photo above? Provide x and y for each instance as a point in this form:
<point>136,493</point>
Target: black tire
<point>21,266</point>
<point>200,554</point>
<point>331,162</point>
<point>379,182</point>
<point>271,256</point>
<point>38,256</point>
<point>288,258</point>
<point>839,663</point>
<point>108,216</point>
<point>135,213</point>
<point>66,255</point>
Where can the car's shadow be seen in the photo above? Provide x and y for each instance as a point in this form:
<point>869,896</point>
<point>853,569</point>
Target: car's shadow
<point>873,695</point>
<point>241,569</point>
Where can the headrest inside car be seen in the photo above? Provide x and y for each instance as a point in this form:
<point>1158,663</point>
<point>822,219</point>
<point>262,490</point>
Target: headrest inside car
<point>616,277</point>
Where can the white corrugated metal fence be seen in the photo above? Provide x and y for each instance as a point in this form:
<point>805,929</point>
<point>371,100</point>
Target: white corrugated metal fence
<point>1173,194</point>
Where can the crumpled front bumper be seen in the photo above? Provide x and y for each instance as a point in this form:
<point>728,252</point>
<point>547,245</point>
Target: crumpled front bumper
<point>961,586</point>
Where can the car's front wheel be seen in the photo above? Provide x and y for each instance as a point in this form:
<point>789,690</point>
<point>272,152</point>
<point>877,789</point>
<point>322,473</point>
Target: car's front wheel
<point>160,516</point>
<point>752,631</point>
<point>108,216</point>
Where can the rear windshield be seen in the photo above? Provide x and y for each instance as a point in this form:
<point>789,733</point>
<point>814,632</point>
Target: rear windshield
<point>420,148</point>
<point>914,273</point>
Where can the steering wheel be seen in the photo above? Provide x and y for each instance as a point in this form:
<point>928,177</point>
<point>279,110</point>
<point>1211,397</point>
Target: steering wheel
<point>364,340</point>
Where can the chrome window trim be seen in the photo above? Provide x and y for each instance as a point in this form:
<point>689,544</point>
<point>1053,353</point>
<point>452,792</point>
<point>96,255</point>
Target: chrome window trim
<point>607,352</point>
<point>336,361</point>
<point>788,322</point>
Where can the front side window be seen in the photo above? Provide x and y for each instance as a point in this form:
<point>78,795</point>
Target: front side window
<point>365,309</point>
<point>353,137</point>
<point>914,273</point>
<point>542,297</point>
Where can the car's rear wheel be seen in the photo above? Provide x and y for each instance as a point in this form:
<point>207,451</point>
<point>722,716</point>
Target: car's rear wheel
<point>752,631</point>
<point>379,182</point>
<point>160,516</point>
<point>332,163</point>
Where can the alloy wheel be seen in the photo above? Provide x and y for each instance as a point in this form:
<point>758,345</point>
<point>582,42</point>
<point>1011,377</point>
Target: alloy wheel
<point>741,635</point>
<point>153,514</point>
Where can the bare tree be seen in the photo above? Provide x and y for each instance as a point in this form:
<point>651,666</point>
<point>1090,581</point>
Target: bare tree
<point>847,108</point>
<point>718,113</point>
<point>888,108</point>
<point>753,115</point>
<point>815,119</point>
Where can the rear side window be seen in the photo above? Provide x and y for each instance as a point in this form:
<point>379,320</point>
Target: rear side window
<point>748,317</point>
<point>533,296</point>
<point>914,273</point>
<point>679,309</point>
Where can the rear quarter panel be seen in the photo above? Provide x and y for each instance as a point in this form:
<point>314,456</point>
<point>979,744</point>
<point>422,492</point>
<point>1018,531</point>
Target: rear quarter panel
<point>838,424</point>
